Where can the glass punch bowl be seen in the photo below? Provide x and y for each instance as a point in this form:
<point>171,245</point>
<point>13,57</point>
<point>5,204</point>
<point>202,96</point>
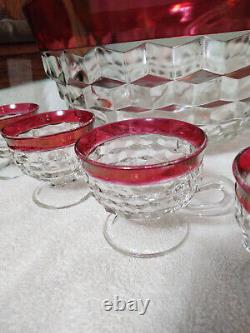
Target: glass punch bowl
<point>203,80</point>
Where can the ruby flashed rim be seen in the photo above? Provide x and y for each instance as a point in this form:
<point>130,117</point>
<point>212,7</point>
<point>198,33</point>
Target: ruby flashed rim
<point>52,141</point>
<point>241,169</point>
<point>146,173</point>
<point>16,111</point>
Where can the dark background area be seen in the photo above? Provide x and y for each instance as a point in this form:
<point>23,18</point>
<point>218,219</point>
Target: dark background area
<point>20,59</point>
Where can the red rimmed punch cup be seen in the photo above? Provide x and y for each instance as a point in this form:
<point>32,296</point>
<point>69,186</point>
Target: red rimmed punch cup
<point>43,148</point>
<point>241,170</point>
<point>9,114</point>
<point>142,171</point>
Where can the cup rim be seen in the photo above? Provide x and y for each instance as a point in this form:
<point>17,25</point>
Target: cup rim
<point>241,166</point>
<point>138,173</point>
<point>21,111</point>
<point>50,141</point>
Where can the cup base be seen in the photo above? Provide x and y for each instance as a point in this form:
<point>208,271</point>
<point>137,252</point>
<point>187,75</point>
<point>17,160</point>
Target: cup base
<point>145,239</point>
<point>215,197</point>
<point>8,170</point>
<point>61,196</point>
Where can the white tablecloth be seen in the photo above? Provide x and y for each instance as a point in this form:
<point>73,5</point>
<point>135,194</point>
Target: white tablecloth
<point>56,269</point>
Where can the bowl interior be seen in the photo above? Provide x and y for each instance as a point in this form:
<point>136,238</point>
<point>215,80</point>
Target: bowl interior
<point>135,133</point>
<point>49,123</point>
<point>50,130</point>
<point>140,150</point>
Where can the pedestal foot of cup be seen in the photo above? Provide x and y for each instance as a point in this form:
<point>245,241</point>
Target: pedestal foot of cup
<point>61,196</point>
<point>145,239</point>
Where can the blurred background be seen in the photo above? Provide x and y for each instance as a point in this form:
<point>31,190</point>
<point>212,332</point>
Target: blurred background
<point>20,60</point>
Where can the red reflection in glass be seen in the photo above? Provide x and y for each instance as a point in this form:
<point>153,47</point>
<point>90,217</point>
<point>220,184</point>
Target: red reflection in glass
<point>79,23</point>
<point>185,9</point>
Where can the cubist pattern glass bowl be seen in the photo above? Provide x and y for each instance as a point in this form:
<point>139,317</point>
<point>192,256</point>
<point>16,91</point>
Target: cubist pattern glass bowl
<point>143,171</point>
<point>43,148</point>
<point>10,113</point>
<point>203,80</point>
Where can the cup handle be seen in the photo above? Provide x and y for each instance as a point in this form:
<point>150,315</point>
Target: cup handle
<point>213,186</point>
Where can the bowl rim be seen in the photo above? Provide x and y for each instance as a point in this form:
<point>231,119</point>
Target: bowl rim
<point>103,134</point>
<point>240,166</point>
<point>23,110</point>
<point>51,141</point>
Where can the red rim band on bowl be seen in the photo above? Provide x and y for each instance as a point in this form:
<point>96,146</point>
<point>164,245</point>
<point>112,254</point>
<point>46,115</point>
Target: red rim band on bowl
<point>48,142</point>
<point>241,170</point>
<point>139,175</point>
<point>16,111</point>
